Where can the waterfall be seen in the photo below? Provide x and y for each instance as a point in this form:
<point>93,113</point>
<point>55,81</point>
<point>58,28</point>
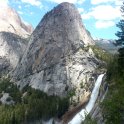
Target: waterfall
<point>79,117</point>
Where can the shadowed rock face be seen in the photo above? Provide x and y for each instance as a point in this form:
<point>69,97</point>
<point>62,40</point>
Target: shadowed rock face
<point>55,61</point>
<point>11,49</point>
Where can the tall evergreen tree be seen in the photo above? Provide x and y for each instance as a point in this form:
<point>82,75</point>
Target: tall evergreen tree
<point>120,25</point>
<point>120,41</point>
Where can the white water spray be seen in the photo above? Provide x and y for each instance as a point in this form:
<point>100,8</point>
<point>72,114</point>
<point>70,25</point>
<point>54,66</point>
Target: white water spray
<point>79,117</point>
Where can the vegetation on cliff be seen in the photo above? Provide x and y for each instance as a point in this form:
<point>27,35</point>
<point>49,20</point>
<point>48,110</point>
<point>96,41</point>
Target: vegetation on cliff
<point>113,105</point>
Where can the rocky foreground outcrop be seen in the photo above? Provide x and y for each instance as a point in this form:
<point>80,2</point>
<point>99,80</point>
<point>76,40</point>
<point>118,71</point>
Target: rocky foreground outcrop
<point>58,58</point>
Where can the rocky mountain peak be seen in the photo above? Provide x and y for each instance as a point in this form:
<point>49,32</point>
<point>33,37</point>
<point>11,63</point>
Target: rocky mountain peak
<point>10,21</point>
<point>55,59</point>
<point>65,17</point>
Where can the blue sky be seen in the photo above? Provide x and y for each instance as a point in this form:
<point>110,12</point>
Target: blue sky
<point>99,16</point>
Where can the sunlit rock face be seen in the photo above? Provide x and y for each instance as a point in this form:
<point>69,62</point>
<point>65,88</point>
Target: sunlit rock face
<point>11,22</point>
<point>57,58</point>
<point>14,34</point>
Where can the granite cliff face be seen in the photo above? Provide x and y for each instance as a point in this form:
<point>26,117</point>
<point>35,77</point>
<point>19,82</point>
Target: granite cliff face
<point>58,58</point>
<point>12,48</point>
<point>11,22</point>
<point>13,34</point>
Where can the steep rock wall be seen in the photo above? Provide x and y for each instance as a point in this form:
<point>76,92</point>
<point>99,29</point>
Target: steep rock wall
<point>57,58</point>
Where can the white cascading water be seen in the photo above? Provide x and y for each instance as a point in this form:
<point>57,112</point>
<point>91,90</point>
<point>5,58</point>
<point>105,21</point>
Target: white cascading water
<point>79,117</point>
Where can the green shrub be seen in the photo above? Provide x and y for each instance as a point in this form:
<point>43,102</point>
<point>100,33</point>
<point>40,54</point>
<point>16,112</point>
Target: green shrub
<point>101,54</point>
<point>8,87</point>
<point>89,120</point>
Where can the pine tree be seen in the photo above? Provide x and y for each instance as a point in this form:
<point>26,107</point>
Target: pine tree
<point>120,41</point>
<point>120,25</point>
